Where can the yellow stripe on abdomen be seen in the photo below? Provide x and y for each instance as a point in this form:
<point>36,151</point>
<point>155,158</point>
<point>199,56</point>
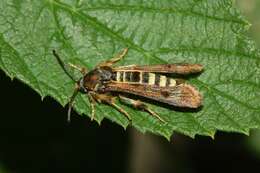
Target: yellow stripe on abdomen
<point>172,83</point>
<point>163,81</point>
<point>151,80</point>
<point>135,77</point>
<point>118,76</point>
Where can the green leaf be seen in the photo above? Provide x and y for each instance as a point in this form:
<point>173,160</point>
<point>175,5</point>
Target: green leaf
<point>209,32</point>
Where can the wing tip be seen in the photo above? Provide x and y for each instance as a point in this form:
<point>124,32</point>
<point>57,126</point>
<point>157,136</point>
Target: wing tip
<point>195,98</point>
<point>200,67</point>
<point>196,68</point>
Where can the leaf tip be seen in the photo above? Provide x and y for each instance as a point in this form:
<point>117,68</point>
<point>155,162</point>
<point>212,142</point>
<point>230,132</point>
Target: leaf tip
<point>125,126</point>
<point>43,97</point>
<point>212,135</point>
<point>169,138</point>
<point>99,121</point>
<point>12,78</point>
<point>246,132</point>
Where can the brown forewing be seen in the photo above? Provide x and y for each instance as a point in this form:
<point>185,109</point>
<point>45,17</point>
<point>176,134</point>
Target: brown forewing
<point>164,68</point>
<point>183,95</point>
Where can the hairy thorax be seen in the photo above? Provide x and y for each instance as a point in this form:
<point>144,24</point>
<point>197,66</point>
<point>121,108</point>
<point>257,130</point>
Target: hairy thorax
<point>97,78</point>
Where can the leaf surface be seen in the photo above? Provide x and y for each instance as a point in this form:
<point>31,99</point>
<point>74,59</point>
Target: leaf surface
<point>167,31</point>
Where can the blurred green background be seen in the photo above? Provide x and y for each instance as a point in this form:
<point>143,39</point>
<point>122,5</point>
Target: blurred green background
<point>251,9</point>
<point>35,137</point>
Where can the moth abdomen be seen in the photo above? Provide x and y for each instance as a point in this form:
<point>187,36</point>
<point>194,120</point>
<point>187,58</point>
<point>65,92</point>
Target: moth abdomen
<point>128,76</point>
<point>146,78</point>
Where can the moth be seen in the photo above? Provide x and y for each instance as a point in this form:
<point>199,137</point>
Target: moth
<point>105,83</point>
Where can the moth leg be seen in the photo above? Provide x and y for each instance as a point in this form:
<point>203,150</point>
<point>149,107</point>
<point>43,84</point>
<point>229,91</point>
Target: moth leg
<point>139,105</point>
<point>110,100</point>
<point>124,67</point>
<point>71,101</point>
<point>83,70</point>
<point>92,104</point>
<point>115,59</point>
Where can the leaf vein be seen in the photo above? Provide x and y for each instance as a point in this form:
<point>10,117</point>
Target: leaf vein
<point>222,111</point>
<point>160,10</point>
<point>212,51</point>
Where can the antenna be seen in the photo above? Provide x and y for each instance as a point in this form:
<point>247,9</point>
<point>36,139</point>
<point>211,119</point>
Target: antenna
<point>72,98</point>
<point>63,66</point>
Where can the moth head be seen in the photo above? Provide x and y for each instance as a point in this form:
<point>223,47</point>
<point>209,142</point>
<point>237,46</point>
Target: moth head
<point>79,83</point>
<point>80,86</point>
